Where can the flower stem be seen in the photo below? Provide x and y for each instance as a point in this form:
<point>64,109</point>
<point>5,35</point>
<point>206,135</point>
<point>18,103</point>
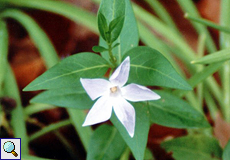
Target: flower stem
<point>112,59</point>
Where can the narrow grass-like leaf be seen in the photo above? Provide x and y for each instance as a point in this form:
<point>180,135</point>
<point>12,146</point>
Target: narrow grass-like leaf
<point>17,115</point>
<point>62,8</point>
<point>3,51</point>
<point>226,153</point>
<point>106,144</point>
<point>39,37</point>
<point>65,97</point>
<point>174,112</point>
<point>78,117</point>
<point>137,144</point>
<point>149,67</point>
<point>219,56</point>
<point>189,7</point>
<point>207,23</point>
<point>198,147</point>
<point>129,34</point>
<point>68,72</point>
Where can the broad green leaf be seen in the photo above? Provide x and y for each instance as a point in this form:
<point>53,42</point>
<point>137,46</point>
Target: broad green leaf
<point>99,49</point>
<point>106,144</point>
<point>115,27</point>
<point>198,147</point>
<point>150,67</point>
<point>129,35</point>
<point>226,153</point>
<point>65,97</point>
<point>222,55</point>
<point>137,144</point>
<point>174,112</point>
<point>103,26</point>
<point>68,72</point>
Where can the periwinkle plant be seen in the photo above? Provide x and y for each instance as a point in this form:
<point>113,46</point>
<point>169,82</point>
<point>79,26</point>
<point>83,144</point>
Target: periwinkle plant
<point>72,82</point>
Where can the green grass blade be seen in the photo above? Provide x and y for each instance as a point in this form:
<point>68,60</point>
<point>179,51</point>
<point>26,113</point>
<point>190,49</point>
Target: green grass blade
<point>163,14</point>
<point>39,37</point>
<point>219,56</point>
<point>189,7</point>
<point>207,23</point>
<point>62,8</point>
<point>3,51</point>
<point>17,121</point>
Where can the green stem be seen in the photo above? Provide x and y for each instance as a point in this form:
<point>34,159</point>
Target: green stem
<point>112,58</point>
<point>225,43</point>
<point>49,128</point>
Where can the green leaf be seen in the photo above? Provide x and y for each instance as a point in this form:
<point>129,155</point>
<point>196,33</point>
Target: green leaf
<point>198,147</point>
<point>137,144</point>
<point>106,144</point>
<point>68,72</point>
<point>115,27</point>
<point>65,97</point>
<point>220,56</point>
<point>99,49</point>
<point>103,26</point>
<point>226,153</point>
<point>174,112</point>
<point>129,34</point>
<point>150,67</point>
<point>115,45</point>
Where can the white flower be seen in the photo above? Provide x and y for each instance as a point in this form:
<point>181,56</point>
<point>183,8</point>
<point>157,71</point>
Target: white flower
<point>114,95</point>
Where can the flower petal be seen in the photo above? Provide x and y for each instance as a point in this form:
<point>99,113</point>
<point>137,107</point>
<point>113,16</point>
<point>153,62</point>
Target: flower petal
<point>126,114</point>
<point>136,93</point>
<point>100,112</point>
<point>95,87</point>
<point>121,74</point>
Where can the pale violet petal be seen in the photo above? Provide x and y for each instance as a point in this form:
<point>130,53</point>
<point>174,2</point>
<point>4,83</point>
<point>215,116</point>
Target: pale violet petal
<point>95,87</point>
<point>121,74</point>
<point>136,93</point>
<point>126,114</point>
<point>100,112</point>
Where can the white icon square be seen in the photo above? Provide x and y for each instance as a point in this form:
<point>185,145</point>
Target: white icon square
<point>10,148</point>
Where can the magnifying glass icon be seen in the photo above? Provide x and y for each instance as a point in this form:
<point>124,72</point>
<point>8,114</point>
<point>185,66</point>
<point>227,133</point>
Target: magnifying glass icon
<point>9,147</point>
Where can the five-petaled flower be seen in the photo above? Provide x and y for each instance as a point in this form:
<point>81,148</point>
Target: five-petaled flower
<point>114,95</point>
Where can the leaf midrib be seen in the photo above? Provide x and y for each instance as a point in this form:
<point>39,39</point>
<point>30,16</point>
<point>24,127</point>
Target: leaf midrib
<point>76,71</point>
<point>144,67</point>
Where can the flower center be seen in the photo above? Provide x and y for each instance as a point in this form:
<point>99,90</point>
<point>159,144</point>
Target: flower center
<point>113,89</point>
